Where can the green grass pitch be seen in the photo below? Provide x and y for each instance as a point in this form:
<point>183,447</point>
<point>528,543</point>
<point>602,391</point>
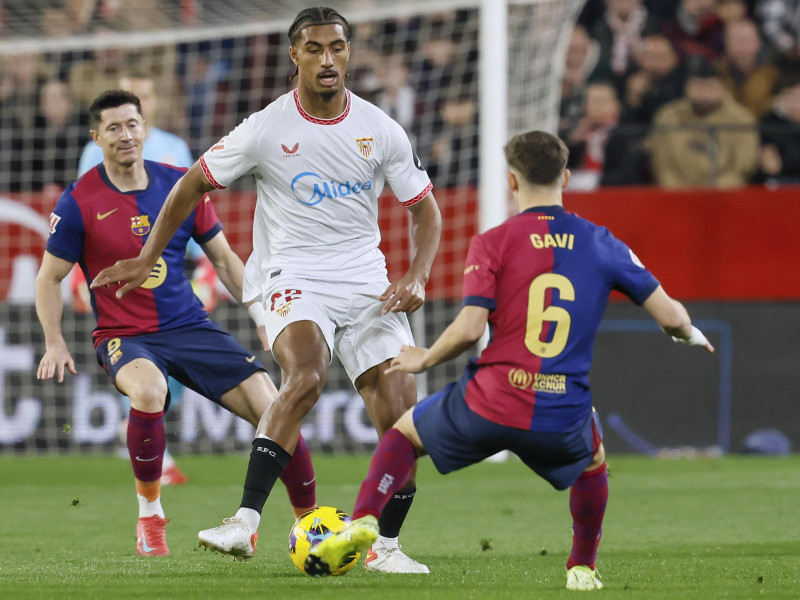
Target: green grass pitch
<point>705,528</point>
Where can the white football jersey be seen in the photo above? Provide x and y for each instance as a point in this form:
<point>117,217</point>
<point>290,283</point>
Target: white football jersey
<point>318,183</point>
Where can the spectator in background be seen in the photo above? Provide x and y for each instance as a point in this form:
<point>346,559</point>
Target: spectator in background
<point>581,58</point>
<point>696,29</point>
<point>705,139</point>
<point>396,97</point>
<point>21,78</point>
<point>100,71</point>
<point>659,79</point>
<point>47,155</point>
<point>451,146</point>
<point>730,11</point>
<point>744,73</point>
<point>780,132</point>
<point>159,145</point>
<point>587,140</point>
<point>446,61</point>
<point>619,34</point>
<point>780,22</point>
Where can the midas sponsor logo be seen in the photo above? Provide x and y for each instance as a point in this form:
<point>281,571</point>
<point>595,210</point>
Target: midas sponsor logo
<point>310,188</point>
<point>555,240</point>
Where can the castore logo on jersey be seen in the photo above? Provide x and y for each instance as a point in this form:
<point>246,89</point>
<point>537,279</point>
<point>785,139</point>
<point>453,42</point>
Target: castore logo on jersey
<point>310,188</point>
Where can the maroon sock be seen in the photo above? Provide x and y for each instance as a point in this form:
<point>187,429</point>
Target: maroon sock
<point>587,502</point>
<point>146,443</point>
<point>388,472</point>
<point>298,477</point>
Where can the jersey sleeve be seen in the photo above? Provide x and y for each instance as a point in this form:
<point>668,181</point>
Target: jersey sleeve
<point>232,157</point>
<point>404,171</point>
<point>206,221</point>
<point>66,230</point>
<point>629,274</point>
<point>480,275</point>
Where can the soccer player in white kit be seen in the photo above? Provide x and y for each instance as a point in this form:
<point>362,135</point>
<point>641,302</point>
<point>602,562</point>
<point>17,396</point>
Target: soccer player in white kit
<point>320,156</point>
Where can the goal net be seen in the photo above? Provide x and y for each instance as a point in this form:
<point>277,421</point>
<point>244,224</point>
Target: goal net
<point>458,75</point>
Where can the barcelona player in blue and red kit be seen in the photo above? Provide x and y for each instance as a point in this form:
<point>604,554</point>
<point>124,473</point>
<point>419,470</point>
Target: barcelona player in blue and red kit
<point>161,328</point>
<point>541,281</point>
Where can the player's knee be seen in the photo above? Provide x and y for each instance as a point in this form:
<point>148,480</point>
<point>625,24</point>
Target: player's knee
<point>300,391</point>
<point>148,398</point>
<point>598,459</point>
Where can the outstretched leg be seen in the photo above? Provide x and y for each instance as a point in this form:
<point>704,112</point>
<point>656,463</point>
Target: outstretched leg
<point>588,498</point>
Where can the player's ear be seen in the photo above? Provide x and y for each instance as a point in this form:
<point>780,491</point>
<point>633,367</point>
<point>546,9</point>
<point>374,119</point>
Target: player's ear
<point>513,184</point>
<point>565,183</point>
<point>293,54</point>
<point>93,133</point>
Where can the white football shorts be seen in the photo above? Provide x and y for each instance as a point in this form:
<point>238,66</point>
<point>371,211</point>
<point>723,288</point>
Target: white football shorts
<point>349,316</point>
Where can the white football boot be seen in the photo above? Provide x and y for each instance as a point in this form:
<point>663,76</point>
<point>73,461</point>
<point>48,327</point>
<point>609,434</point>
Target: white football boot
<point>233,538</point>
<point>391,559</point>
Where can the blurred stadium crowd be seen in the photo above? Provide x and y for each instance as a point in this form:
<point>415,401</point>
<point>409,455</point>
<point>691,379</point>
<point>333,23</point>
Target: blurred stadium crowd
<point>676,93</point>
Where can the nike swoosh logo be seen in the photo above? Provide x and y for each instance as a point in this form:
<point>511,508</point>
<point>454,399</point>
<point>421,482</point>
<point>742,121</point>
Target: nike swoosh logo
<point>145,459</point>
<point>145,547</point>
<point>305,483</point>
<point>251,359</point>
<point>100,217</point>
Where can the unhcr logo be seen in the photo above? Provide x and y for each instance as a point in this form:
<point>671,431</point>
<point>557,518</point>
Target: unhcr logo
<point>520,379</point>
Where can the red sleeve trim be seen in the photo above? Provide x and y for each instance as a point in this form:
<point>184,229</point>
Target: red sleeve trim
<point>419,196</point>
<point>209,176</point>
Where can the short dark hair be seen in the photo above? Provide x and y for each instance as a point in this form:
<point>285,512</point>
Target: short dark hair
<point>111,99</point>
<point>538,156</point>
<point>315,16</point>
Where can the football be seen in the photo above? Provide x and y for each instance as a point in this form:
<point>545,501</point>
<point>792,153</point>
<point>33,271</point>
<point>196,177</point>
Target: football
<point>313,527</point>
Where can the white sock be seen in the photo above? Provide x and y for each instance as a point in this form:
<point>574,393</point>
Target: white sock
<point>148,509</point>
<point>388,542</point>
<point>167,462</point>
<point>250,517</point>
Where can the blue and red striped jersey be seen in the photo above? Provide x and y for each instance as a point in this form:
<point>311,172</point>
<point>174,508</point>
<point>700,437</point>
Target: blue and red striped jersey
<point>545,275</point>
<point>94,224</point>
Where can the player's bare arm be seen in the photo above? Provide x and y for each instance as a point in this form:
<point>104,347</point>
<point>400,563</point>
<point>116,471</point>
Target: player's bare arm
<point>674,320</point>
<point>181,201</point>
<point>49,308</point>
<point>460,335</point>
<point>230,270</point>
<point>408,293</point>
<point>227,264</point>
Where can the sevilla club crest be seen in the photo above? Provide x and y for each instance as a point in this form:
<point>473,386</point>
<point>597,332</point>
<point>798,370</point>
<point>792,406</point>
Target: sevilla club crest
<point>365,146</point>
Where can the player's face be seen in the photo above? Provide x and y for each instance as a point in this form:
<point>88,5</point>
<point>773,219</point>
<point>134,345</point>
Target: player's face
<point>321,56</point>
<point>120,134</point>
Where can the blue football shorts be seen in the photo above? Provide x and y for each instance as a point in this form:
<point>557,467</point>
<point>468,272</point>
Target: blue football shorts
<point>203,357</point>
<point>455,437</point>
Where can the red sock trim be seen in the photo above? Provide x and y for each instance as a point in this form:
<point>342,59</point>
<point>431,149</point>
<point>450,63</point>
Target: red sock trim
<point>598,471</point>
<point>146,415</point>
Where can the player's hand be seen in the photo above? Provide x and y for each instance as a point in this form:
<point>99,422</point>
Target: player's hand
<point>262,335</point>
<point>405,295</point>
<point>54,361</point>
<point>410,360</point>
<point>696,338</point>
<point>133,272</point>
